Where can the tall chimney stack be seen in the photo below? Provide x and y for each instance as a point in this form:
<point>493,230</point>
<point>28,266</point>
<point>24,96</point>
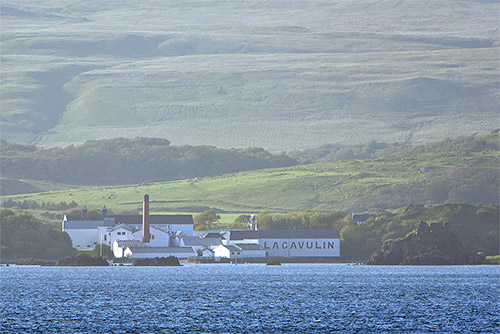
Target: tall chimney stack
<point>146,236</point>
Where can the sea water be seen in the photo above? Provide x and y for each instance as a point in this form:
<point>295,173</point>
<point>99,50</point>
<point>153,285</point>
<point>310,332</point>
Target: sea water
<point>252,298</point>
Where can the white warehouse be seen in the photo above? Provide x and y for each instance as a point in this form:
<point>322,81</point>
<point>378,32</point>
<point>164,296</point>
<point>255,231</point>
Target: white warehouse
<point>150,230</point>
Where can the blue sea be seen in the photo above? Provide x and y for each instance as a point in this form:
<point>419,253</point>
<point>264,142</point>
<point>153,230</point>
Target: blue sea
<point>253,298</point>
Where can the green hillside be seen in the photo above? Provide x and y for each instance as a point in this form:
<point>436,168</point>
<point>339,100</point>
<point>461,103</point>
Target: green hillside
<point>352,185</point>
<point>278,75</point>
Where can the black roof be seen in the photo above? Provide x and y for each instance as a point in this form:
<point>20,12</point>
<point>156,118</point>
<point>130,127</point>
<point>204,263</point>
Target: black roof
<point>80,217</point>
<point>155,219</point>
<point>213,235</point>
<point>284,234</point>
<point>137,219</point>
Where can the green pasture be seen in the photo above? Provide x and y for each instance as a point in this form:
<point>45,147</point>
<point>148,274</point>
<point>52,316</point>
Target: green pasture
<point>321,186</point>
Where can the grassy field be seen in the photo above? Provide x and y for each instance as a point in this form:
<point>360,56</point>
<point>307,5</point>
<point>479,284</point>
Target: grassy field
<point>321,186</point>
<point>279,75</point>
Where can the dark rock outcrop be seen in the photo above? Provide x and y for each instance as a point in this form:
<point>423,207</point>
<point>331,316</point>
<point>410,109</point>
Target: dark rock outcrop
<point>31,261</point>
<point>171,261</point>
<point>427,245</point>
<point>82,260</point>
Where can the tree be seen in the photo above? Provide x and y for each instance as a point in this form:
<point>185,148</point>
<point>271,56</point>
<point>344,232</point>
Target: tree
<point>241,222</point>
<point>24,236</point>
<point>205,220</point>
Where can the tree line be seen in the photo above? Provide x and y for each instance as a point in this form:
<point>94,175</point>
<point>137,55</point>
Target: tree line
<point>30,204</point>
<point>375,150</point>
<point>122,161</point>
<point>475,226</point>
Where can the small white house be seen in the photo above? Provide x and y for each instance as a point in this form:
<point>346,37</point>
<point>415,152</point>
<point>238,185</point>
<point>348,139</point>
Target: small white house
<point>119,246</point>
<point>152,252</point>
<point>206,253</point>
<point>228,251</point>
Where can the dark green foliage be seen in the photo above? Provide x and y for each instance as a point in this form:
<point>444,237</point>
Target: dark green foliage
<point>25,205</point>
<point>301,220</point>
<point>206,220</point>
<point>472,185</point>
<point>373,149</point>
<point>240,223</point>
<point>337,152</point>
<point>122,161</point>
<point>14,187</point>
<point>475,226</point>
<point>23,236</point>
<point>101,250</point>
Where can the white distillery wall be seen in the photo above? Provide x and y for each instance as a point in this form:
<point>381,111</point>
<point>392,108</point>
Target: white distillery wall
<point>129,254</point>
<point>124,235</point>
<point>158,238</point>
<point>301,247</point>
<point>83,238</point>
<point>253,253</point>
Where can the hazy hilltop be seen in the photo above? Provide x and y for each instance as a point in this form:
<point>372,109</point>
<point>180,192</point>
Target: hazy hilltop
<point>283,75</point>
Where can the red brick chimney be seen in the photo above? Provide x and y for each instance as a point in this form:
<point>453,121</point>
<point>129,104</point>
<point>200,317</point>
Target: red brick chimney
<point>146,236</point>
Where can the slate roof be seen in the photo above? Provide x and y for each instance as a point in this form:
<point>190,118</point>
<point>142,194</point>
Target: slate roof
<point>80,217</point>
<point>125,227</point>
<point>232,248</point>
<point>77,222</point>
<point>129,243</point>
<point>162,250</point>
<point>216,235</point>
<point>196,241</point>
<point>284,234</point>
<point>244,234</point>
<point>155,219</point>
<point>250,247</point>
<point>82,224</point>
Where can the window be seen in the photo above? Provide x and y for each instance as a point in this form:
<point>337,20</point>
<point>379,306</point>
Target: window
<point>238,253</point>
<point>105,236</point>
<point>152,236</point>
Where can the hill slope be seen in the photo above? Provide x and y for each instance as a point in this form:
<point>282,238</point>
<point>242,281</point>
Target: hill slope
<point>355,185</point>
<point>278,75</point>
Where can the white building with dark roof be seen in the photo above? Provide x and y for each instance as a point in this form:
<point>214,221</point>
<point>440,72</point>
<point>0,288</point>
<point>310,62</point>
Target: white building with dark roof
<point>228,251</point>
<point>152,230</point>
<point>290,243</point>
<point>153,252</point>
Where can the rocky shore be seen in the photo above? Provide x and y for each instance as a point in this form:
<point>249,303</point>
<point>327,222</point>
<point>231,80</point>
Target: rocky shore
<point>433,244</point>
<point>170,261</point>
<point>82,260</point>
